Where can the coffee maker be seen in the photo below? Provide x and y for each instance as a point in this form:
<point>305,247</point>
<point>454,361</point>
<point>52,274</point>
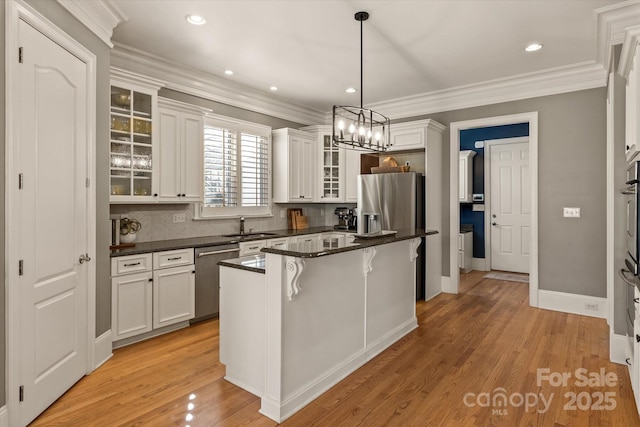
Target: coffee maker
<point>346,219</point>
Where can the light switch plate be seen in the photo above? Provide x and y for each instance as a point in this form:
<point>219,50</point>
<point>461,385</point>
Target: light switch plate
<point>571,213</point>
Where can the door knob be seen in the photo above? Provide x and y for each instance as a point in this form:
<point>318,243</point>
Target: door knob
<point>83,258</point>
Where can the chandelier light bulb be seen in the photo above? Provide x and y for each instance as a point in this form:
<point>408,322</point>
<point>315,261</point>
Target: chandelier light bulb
<point>361,130</point>
<point>352,128</point>
<point>378,136</point>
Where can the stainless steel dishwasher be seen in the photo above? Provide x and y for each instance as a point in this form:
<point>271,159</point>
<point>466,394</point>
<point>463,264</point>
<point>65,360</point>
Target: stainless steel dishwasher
<point>208,278</point>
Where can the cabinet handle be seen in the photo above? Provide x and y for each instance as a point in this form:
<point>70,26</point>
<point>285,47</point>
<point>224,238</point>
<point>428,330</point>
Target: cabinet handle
<point>637,338</point>
<point>132,264</point>
<point>628,361</point>
<point>254,247</point>
<point>174,258</point>
<point>636,300</point>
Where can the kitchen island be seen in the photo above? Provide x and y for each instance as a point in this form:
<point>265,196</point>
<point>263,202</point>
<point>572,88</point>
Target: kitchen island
<point>319,311</point>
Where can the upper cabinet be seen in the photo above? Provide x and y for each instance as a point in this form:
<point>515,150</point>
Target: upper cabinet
<point>293,165</point>
<point>133,139</point>
<point>407,136</point>
<point>465,183</point>
<point>180,152</point>
<point>329,176</point>
<point>629,63</point>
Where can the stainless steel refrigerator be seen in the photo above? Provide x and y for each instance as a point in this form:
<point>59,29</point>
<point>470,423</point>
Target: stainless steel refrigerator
<point>393,201</point>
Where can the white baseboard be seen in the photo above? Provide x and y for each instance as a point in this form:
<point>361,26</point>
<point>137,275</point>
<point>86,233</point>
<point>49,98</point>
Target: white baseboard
<point>446,285</point>
<point>573,303</point>
<point>617,350</point>
<point>479,264</point>
<point>4,417</point>
<point>103,348</point>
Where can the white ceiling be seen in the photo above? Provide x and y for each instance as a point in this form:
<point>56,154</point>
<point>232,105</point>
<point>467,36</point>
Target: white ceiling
<point>310,50</point>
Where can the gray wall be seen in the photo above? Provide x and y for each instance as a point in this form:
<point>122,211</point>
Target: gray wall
<point>572,167</point>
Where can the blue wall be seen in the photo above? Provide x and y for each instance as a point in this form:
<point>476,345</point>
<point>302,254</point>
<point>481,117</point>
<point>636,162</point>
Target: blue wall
<point>467,141</point>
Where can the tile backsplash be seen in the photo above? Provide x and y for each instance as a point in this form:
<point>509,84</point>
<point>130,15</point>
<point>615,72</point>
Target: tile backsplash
<point>157,220</point>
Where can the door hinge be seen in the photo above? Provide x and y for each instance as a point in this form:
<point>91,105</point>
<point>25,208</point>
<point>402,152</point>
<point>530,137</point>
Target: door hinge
<point>20,267</point>
<point>21,393</point>
<point>20,181</point>
<point>20,55</point>
<point>88,182</point>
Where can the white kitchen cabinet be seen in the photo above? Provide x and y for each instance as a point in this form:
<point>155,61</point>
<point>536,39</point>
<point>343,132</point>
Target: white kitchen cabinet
<point>629,58</point>
<point>465,181</point>
<point>279,243</point>
<point>180,152</point>
<point>293,165</point>
<point>133,140</point>
<point>407,136</point>
<point>151,291</point>
<point>173,295</point>
<point>351,172</point>
<point>465,251</point>
<point>252,247</point>
<point>330,168</point>
<point>174,291</point>
<point>131,295</point>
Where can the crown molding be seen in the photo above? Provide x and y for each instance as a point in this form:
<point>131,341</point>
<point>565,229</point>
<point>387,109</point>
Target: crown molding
<point>208,86</point>
<point>100,17</point>
<point>611,23</point>
<point>629,46</point>
<point>571,78</point>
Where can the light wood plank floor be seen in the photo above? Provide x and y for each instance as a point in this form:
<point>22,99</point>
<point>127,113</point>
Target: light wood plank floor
<point>485,338</point>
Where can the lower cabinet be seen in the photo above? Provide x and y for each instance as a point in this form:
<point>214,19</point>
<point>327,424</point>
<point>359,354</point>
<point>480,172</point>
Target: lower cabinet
<point>465,251</point>
<point>151,291</point>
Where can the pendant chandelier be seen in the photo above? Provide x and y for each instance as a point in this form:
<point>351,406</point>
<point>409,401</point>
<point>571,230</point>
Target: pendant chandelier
<point>358,127</point>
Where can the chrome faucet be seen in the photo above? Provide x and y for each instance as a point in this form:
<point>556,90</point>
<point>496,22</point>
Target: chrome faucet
<point>241,225</point>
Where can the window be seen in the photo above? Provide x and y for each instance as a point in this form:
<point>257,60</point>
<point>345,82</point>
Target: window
<point>236,168</point>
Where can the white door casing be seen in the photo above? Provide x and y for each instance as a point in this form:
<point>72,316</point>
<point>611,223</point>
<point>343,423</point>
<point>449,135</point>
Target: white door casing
<point>508,218</point>
<point>49,211</point>
<point>450,284</point>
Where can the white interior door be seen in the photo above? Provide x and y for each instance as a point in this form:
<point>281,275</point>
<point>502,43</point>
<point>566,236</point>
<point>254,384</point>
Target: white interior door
<point>50,221</point>
<point>510,207</point>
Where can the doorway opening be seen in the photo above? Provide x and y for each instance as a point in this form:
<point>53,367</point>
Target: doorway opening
<point>530,120</point>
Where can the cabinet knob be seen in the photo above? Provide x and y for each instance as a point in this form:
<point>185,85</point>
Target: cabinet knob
<point>184,195</point>
<point>494,223</point>
<point>636,300</point>
<point>155,194</point>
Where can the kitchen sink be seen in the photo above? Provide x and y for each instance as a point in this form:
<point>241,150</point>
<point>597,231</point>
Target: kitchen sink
<point>250,235</point>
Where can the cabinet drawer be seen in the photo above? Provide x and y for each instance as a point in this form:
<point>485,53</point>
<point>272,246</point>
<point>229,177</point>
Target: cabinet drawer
<point>130,264</point>
<point>282,243</point>
<point>174,258</point>
<point>250,248</point>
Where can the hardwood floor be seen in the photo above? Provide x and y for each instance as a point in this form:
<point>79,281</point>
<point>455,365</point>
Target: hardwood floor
<point>485,338</point>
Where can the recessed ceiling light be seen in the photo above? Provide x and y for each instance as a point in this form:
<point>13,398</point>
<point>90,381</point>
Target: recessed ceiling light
<point>533,47</point>
<point>195,19</point>
<point>274,88</point>
<point>350,90</point>
<point>228,72</point>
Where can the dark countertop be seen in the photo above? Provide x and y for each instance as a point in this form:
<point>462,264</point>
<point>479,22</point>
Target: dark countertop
<point>466,228</point>
<point>196,242</point>
<point>330,246</point>
<point>254,263</point>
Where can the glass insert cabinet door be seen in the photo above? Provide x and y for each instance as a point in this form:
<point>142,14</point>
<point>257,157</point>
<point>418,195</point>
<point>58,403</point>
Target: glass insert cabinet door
<point>131,143</point>
<point>330,170</point>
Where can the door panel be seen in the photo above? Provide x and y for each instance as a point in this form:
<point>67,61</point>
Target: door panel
<point>50,214</point>
<point>510,207</point>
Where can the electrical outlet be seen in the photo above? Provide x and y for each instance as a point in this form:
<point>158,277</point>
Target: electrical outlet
<point>322,212</point>
<point>571,213</point>
<point>282,213</point>
<point>179,217</point>
<point>593,307</point>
